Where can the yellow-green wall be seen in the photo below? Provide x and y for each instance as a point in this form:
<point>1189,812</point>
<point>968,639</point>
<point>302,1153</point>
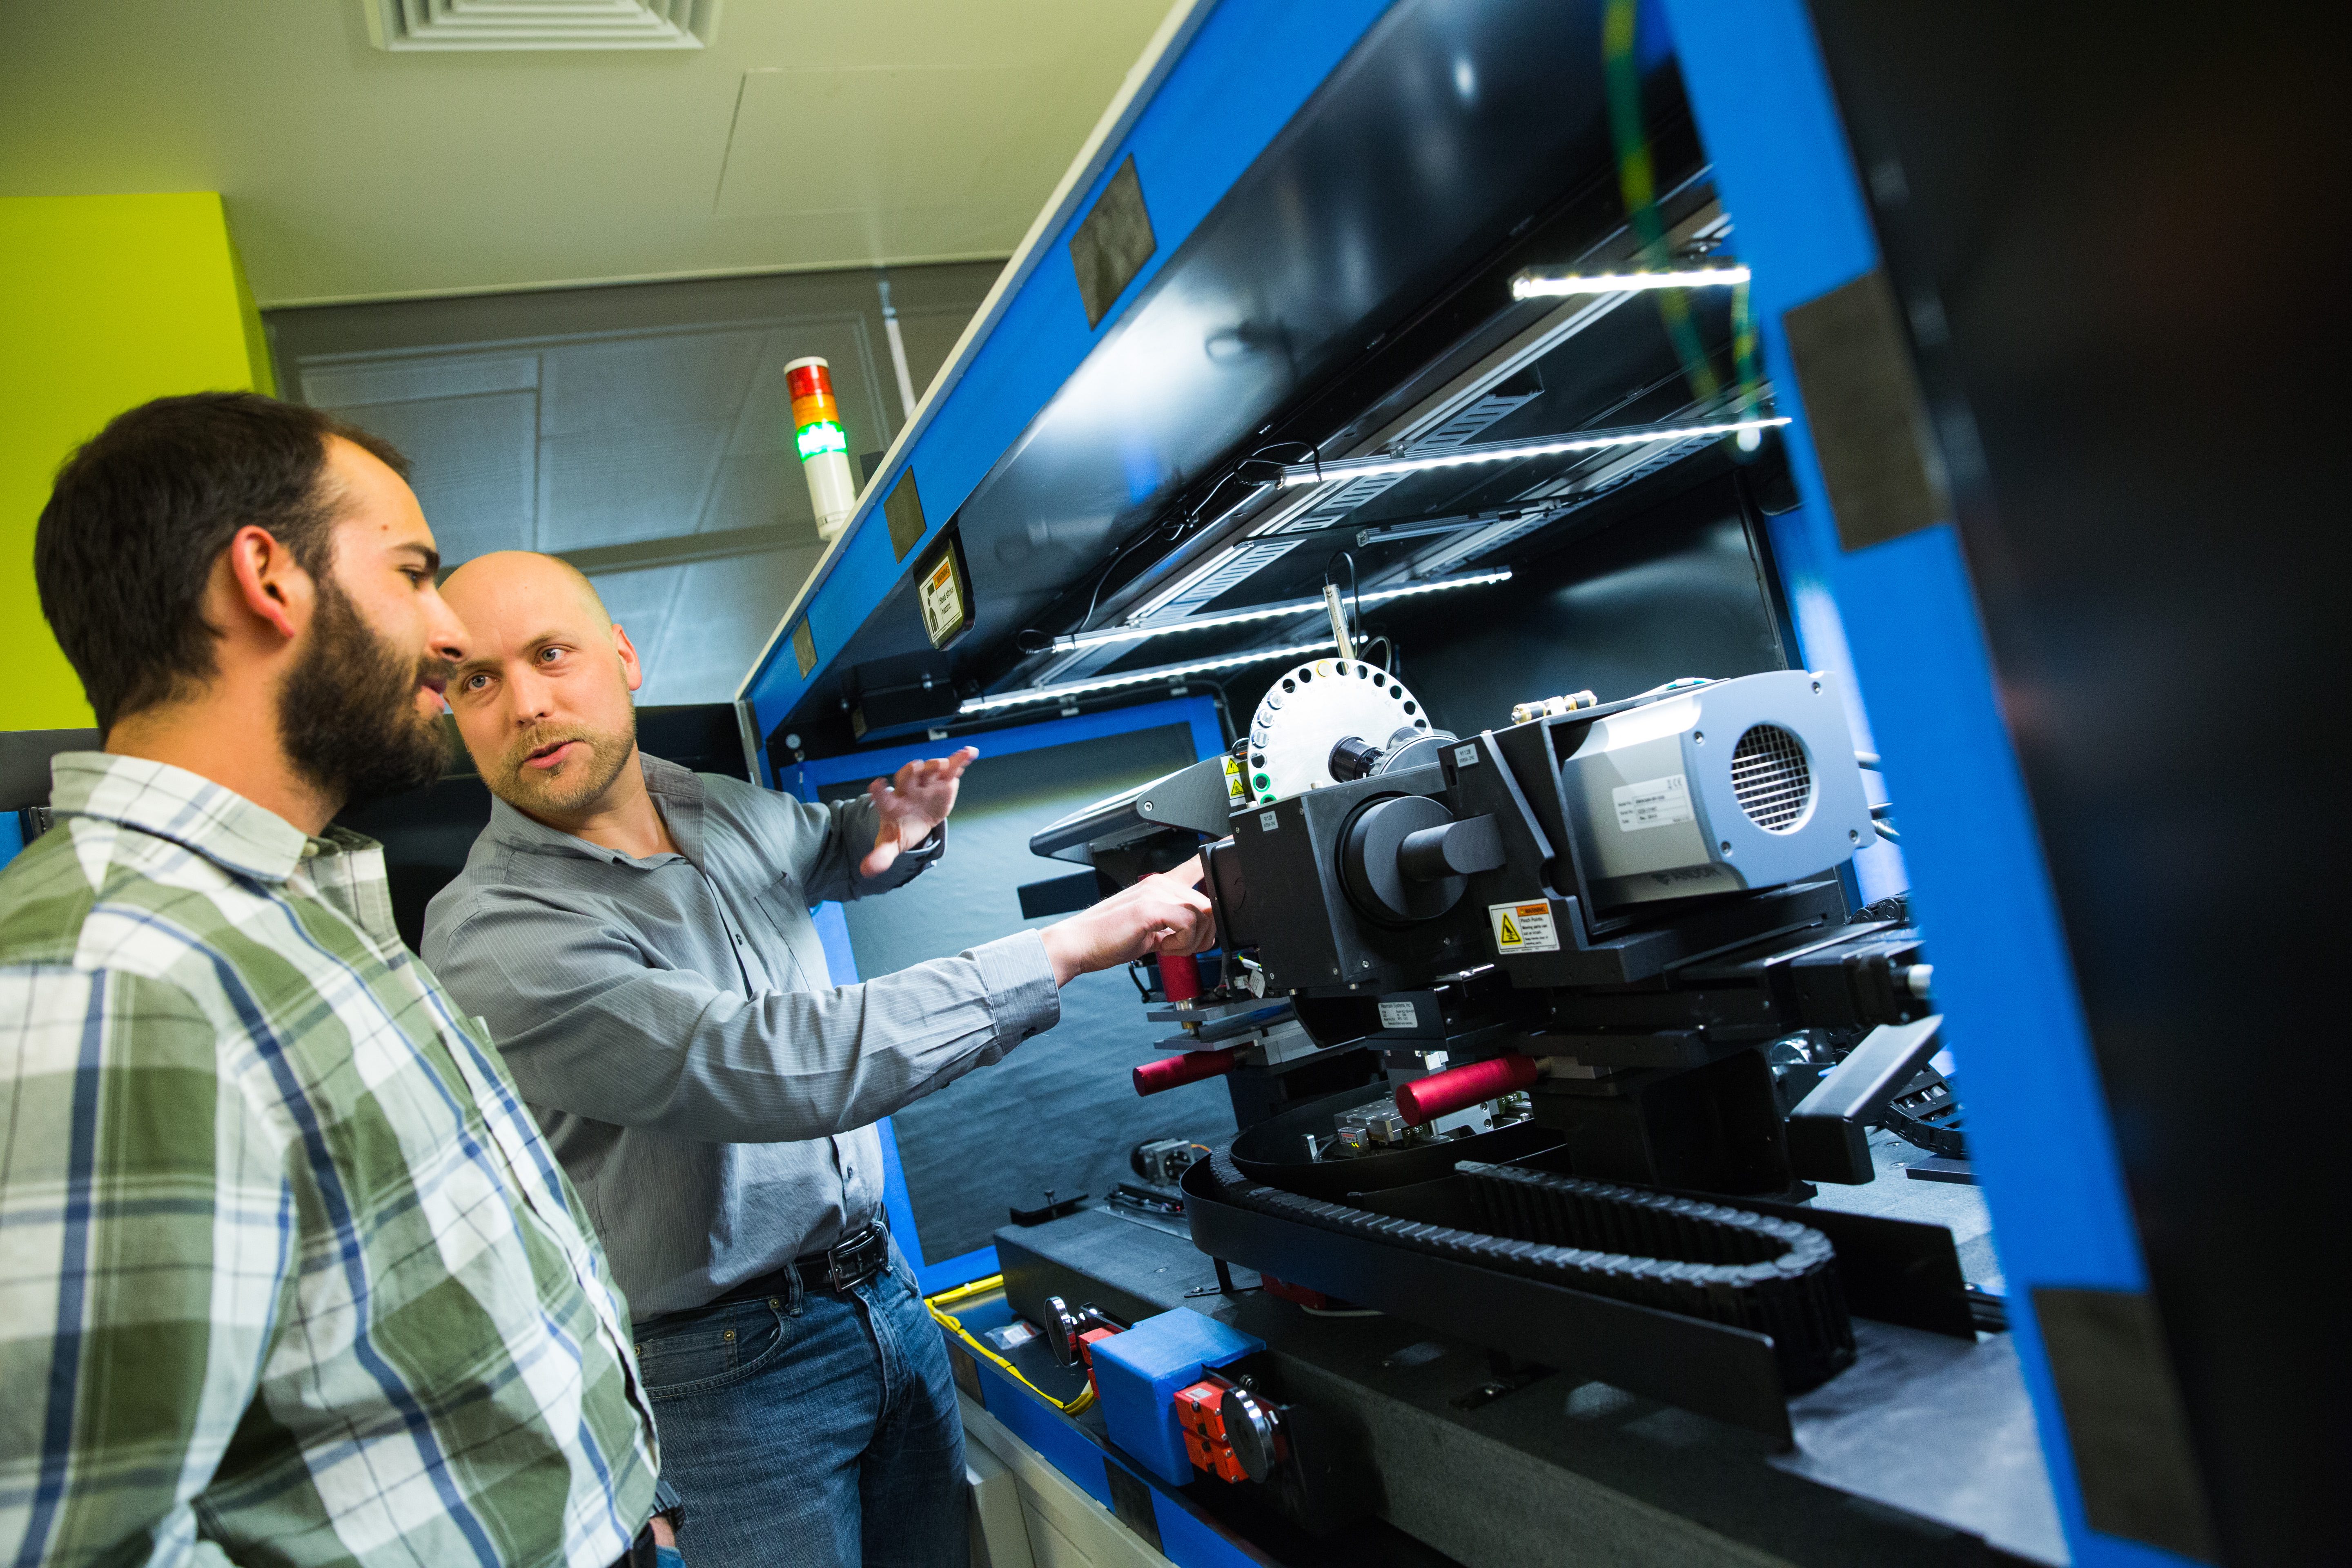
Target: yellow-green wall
<point>105,301</point>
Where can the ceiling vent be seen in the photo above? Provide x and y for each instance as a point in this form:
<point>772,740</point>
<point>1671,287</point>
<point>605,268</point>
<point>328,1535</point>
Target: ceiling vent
<point>400,24</point>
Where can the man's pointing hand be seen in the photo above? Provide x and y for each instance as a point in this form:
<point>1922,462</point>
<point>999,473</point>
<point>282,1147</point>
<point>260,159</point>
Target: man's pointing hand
<point>1166,913</point>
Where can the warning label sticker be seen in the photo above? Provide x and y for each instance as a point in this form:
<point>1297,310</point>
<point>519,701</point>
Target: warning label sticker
<point>1398,1015</point>
<point>1234,789</point>
<point>1653,803</point>
<point>942,600</point>
<point>1523,928</point>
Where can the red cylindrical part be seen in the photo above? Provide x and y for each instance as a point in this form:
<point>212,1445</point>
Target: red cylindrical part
<point>1441,1093</point>
<point>1173,1073</point>
<point>1180,976</point>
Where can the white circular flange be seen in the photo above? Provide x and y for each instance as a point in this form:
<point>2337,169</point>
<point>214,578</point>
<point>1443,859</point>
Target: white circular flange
<point>1309,709</point>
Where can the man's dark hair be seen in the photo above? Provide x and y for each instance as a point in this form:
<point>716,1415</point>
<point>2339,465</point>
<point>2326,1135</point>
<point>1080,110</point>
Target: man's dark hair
<point>126,545</point>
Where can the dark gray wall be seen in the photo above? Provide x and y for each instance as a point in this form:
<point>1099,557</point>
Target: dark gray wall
<point>1059,1112</point>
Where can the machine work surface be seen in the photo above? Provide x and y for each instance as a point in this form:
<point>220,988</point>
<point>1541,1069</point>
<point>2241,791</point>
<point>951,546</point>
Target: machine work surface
<point>1924,1451</point>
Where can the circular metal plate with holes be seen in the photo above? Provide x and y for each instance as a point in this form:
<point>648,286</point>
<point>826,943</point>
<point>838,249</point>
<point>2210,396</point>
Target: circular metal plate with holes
<point>1309,708</point>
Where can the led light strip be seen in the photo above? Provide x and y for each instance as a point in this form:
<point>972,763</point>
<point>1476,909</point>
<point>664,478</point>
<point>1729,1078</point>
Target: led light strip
<point>1069,641</point>
<point>1552,285</point>
<point>1136,677</point>
<point>1357,468</point>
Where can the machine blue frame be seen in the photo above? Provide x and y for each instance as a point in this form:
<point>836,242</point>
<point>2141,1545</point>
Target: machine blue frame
<point>805,779</point>
<point>1225,84</point>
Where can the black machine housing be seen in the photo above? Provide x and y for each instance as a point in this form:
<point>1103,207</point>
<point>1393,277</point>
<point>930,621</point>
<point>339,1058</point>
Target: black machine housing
<point>1375,904</point>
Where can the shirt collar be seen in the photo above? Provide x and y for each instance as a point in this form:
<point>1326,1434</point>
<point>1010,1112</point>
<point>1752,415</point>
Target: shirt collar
<point>189,810</point>
<point>677,794</point>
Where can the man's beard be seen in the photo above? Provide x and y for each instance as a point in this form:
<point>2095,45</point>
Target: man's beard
<point>578,783</point>
<point>348,713</point>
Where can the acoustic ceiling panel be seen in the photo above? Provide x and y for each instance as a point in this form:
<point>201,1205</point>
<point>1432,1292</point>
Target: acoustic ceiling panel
<point>932,155</point>
<point>614,487</point>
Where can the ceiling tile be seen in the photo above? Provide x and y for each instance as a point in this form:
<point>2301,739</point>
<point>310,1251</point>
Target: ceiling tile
<point>566,168</point>
<point>883,139</point>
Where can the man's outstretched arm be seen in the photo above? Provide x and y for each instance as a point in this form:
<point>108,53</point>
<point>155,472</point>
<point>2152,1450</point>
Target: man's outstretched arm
<point>587,1026</point>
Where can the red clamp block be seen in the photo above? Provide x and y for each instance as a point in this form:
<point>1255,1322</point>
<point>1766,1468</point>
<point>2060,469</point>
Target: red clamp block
<point>1086,1342</point>
<point>1200,1411</point>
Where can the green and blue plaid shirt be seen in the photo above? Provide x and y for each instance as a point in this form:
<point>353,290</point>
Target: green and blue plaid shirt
<point>287,1274</point>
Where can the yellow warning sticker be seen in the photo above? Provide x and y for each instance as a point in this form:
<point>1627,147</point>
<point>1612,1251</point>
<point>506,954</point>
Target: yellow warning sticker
<point>1234,789</point>
<point>1523,928</point>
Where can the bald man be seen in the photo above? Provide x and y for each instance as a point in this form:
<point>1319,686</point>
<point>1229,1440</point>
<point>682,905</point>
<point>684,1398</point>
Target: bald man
<point>637,938</point>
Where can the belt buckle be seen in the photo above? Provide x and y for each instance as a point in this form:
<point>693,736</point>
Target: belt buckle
<point>842,1260</point>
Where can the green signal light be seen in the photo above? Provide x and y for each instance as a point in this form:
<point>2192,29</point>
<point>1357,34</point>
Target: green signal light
<point>824,436</point>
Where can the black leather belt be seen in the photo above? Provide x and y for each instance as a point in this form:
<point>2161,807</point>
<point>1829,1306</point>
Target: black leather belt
<point>640,1553</point>
<point>849,1262</point>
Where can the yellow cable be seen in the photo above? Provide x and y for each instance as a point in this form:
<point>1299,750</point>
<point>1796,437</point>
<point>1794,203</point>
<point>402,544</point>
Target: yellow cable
<point>946,1319</point>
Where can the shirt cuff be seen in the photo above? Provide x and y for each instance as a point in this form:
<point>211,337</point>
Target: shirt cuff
<point>910,863</point>
<point>1022,997</point>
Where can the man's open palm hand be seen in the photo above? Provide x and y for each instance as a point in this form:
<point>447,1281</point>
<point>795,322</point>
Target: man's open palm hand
<point>910,803</point>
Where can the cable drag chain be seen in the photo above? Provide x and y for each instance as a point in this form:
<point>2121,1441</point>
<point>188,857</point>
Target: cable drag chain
<point>1723,1265</point>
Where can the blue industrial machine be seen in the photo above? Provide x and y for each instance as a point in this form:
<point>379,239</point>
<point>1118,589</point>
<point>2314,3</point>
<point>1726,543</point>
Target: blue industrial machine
<point>1666,532</point>
<point>1301,393</point>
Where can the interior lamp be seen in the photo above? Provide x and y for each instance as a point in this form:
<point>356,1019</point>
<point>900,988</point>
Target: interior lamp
<point>823,445</point>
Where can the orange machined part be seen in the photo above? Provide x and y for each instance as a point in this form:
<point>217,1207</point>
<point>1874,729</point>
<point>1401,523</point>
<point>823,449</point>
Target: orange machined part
<point>1200,1412</point>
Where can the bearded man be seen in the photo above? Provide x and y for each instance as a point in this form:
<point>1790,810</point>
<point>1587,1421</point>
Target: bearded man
<point>289,1275</point>
<point>638,939</point>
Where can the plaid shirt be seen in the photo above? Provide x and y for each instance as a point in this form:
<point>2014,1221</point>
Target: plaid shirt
<point>287,1274</point>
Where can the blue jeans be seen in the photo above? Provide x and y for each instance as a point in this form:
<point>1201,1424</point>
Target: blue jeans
<point>811,1429</point>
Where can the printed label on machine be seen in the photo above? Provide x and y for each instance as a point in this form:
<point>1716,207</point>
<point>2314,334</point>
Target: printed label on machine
<point>1398,1015</point>
<point>942,600</point>
<point>1653,803</point>
<point>1523,928</point>
<point>1235,792</point>
<point>1266,821</point>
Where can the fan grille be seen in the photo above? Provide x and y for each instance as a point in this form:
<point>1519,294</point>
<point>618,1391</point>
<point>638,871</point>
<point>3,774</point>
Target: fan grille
<point>1770,780</point>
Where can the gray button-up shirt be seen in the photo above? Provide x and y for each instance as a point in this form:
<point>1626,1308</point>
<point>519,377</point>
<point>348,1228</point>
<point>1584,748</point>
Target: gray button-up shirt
<point>671,1021</point>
